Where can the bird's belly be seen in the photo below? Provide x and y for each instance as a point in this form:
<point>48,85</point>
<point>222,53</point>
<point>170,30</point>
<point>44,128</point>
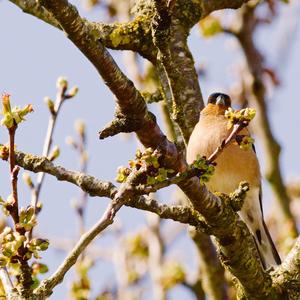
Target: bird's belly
<point>224,181</point>
<point>233,166</point>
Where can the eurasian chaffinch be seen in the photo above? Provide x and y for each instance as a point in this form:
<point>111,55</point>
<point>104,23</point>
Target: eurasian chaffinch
<point>233,166</point>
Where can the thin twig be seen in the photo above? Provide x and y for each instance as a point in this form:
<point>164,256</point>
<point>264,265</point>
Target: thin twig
<point>121,197</point>
<point>156,252</point>
<point>14,174</point>
<point>47,285</point>
<point>236,129</point>
<point>191,172</point>
<point>257,96</point>
<point>81,207</point>
<point>60,97</point>
<point>10,290</point>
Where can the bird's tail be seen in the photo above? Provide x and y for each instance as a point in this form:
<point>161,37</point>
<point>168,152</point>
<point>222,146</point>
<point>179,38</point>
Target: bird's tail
<point>252,214</point>
<point>266,248</point>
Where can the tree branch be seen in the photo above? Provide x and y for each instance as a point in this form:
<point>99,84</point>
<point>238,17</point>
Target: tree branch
<point>47,285</point>
<point>10,292</point>
<point>262,123</point>
<point>95,187</point>
<point>170,37</point>
<point>122,196</point>
<point>212,273</point>
<point>33,8</point>
<point>134,35</point>
<point>287,274</point>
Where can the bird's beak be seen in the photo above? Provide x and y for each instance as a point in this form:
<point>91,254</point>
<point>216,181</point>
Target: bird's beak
<point>220,101</point>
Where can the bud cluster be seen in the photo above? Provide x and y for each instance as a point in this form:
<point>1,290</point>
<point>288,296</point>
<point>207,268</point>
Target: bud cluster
<point>243,116</point>
<point>4,152</point>
<point>173,274</point>
<point>13,116</point>
<point>15,248</point>
<point>149,161</point>
<point>205,167</point>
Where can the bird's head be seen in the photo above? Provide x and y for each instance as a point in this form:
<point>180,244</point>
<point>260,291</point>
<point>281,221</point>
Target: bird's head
<point>217,104</point>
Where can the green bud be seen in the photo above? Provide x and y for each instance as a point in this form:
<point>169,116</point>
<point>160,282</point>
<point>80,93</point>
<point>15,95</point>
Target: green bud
<point>15,266</point>
<point>15,115</point>
<point>40,244</point>
<point>20,238</point>
<point>210,26</point>
<point>62,83</point>
<point>239,116</point>
<point>122,174</point>
<point>35,284</point>
<point>29,212</point>
<point>27,255</point>
<point>137,246</point>
<point>17,244</point>
<point>70,141</point>
<point>246,143</point>
<point>132,276</point>
<point>9,237</point>
<point>27,179</point>
<point>8,249</point>
<point>10,199</point>
<point>138,154</point>
<point>54,154</point>
<point>73,91</point>
<point>150,180</point>
<point>173,274</point>
<point>25,110</point>
<point>3,261</point>
<point>49,102</point>
<point>39,268</point>
<point>39,207</point>
<point>19,114</point>
<point>80,127</point>
<point>36,254</point>
<point>6,231</point>
<point>84,157</point>
<point>27,218</point>
<point>7,120</point>
<point>6,107</point>
<point>4,152</point>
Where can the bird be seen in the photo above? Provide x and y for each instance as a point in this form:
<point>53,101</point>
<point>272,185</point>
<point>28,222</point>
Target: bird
<point>233,165</point>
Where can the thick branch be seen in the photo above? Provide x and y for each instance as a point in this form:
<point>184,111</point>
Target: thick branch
<point>32,7</point>
<point>212,273</point>
<point>95,187</point>
<point>134,35</point>
<point>287,274</point>
<point>210,6</point>
<point>87,183</point>
<point>170,37</point>
<point>235,244</point>
<point>263,127</point>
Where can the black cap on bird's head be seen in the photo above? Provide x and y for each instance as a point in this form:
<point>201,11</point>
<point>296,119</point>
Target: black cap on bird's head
<point>219,99</point>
